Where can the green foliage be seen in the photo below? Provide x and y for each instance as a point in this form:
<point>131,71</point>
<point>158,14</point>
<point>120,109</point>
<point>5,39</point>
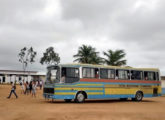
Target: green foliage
<point>26,56</point>
<point>87,54</point>
<point>50,57</point>
<point>115,57</point>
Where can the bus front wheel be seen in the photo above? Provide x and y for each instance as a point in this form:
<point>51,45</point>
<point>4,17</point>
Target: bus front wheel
<point>80,98</point>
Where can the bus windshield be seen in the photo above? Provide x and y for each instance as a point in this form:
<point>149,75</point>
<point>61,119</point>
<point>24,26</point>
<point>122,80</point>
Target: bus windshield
<point>53,75</point>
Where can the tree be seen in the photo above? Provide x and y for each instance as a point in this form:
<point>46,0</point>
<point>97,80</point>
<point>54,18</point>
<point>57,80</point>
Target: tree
<point>26,56</point>
<point>115,57</point>
<point>50,57</point>
<point>87,54</point>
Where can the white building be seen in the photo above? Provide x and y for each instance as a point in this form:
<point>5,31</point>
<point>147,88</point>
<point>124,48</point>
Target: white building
<point>7,76</point>
<point>163,84</point>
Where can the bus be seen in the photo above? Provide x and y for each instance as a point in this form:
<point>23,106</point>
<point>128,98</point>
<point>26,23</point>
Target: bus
<point>79,82</point>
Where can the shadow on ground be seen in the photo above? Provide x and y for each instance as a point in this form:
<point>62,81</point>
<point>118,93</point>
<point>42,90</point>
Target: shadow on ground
<point>94,101</point>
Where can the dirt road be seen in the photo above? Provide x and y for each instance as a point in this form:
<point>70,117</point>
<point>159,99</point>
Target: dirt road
<point>28,108</point>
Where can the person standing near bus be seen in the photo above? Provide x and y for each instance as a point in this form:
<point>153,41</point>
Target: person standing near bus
<point>34,89</point>
<point>30,87</point>
<point>13,88</point>
<point>22,87</point>
<point>40,84</point>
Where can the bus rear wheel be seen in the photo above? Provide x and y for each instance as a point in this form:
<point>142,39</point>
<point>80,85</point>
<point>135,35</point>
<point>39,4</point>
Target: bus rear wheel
<point>138,96</point>
<point>80,98</point>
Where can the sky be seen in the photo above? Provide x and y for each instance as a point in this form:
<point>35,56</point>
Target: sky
<point>137,26</point>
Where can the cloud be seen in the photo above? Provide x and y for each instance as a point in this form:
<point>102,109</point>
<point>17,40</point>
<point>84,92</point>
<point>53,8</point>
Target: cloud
<point>135,26</point>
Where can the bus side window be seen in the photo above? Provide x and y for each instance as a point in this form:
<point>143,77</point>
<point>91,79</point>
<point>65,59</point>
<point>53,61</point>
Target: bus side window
<point>69,75</point>
<point>90,72</point>
<point>154,76</point>
<point>136,75</point>
<point>145,75</point>
<point>149,75</point>
<point>123,74</point>
<point>107,73</point>
<point>157,76</point>
<point>117,75</point>
<point>96,73</point>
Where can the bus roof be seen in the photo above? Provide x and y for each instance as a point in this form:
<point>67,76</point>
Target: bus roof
<point>105,66</point>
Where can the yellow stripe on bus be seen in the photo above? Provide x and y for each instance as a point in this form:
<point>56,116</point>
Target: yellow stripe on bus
<point>128,91</point>
<point>64,93</point>
<point>78,88</point>
<point>73,93</point>
<point>80,85</point>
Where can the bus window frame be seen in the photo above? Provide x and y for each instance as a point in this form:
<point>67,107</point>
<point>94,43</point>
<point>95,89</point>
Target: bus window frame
<point>139,71</point>
<point>90,73</point>
<point>70,76</point>
<point>129,77</point>
<point>157,76</point>
<point>108,69</point>
<point>147,76</point>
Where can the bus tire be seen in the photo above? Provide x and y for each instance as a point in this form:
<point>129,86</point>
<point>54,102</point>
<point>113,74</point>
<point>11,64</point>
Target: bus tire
<point>68,100</point>
<point>138,96</point>
<point>80,97</point>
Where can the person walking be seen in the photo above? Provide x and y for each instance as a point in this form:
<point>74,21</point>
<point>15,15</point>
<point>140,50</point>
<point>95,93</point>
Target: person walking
<point>27,88</point>
<point>40,84</point>
<point>30,87</point>
<point>13,88</point>
<point>22,87</point>
<point>34,89</point>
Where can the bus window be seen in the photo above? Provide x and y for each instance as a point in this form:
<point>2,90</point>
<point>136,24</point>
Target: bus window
<point>122,74</point>
<point>72,72</point>
<point>149,75</point>
<point>107,73</point>
<point>145,75</point>
<point>136,75</point>
<point>90,73</point>
<point>69,75</point>
<point>157,76</point>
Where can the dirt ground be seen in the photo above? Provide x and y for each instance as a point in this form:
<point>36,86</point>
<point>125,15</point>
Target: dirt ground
<point>28,108</point>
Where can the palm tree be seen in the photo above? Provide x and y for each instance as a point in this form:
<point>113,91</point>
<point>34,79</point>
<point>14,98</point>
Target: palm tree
<point>95,59</point>
<point>115,57</point>
<point>87,54</point>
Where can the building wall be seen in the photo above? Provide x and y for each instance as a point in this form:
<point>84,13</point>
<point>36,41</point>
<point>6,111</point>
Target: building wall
<point>16,78</point>
<point>43,78</point>
<point>163,84</point>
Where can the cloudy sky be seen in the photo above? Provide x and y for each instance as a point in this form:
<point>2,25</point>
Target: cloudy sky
<point>137,26</point>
